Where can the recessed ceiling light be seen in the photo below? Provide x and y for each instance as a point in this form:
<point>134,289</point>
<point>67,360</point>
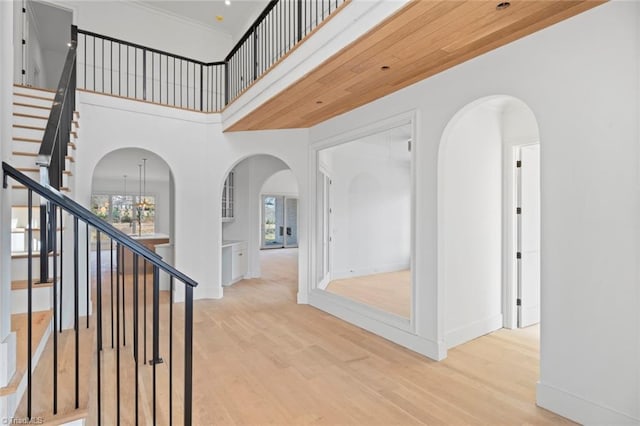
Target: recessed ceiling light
<point>227,2</point>
<point>503,5</point>
<point>69,44</point>
<point>318,102</point>
<point>219,18</point>
<point>385,67</point>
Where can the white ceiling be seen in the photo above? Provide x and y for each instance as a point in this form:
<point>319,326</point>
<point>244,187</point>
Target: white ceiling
<point>237,17</point>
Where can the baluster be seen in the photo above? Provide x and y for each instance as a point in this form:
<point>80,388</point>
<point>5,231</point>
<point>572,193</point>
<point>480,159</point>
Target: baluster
<point>170,350</point>
<point>144,309</point>
<point>188,354</point>
<point>29,296</point>
<point>76,309</point>
<point>144,74</point>
<point>156,334</point>
<point>135,329</point>
<point>111,250</point>
<point>88,275</point>
<point>119,266</point>
<point>54,243</point>
<point>124,314</point>
<point>99,323</point>
<point>61,264</point>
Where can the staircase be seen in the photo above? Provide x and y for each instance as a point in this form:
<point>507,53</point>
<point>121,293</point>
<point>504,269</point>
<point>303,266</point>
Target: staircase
<point>31,110</point>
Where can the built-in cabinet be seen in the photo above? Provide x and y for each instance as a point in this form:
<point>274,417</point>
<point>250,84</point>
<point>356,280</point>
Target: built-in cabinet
<point>234,261</point>
<point>228,198</point>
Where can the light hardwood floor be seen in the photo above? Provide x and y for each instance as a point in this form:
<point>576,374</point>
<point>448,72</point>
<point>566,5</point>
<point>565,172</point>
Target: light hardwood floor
<point>390,291</point>
<point>259,358</point>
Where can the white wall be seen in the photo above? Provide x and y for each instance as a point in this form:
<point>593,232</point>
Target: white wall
<point>580,79</point>
<point>470,201</point>
<point>249,177</point>
<point>199,156</point>
<point>281,183</point>
<point>149,27</point>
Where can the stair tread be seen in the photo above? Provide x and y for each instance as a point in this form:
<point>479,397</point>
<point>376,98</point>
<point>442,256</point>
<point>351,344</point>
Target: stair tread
<point>23,115</point>
<point>23,284</point>
<point>41,320</point>
<point>40,89</point>
<point>33,96</point>
<point>21,139</point>
<point>62,189</point>
<point>21,104</point>
<point>24,255</point>
<point>22,126</point>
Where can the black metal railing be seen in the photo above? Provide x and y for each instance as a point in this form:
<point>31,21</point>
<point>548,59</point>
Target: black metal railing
<point>138,378</point>
<point>282,25</point>
<point>121,68</point>
<point>116,67</point>
<point>55,142</point>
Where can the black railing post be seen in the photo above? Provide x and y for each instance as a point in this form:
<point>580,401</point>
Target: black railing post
<point>299,20</point>
<point>255,53</point>
<point>144,74</point>
<point>188,355</point>
<point>76,308</point>
<point>29,299</point>
<point>44,245</point>
<point>201,87</point>
<point>156,333</point>
<point>226,82</point>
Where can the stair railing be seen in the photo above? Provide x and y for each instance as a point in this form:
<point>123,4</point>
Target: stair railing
<point>59,207</point>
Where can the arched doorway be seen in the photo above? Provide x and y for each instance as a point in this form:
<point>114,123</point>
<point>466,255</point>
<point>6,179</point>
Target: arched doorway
<point>259,211</point>
<point>488,241</point>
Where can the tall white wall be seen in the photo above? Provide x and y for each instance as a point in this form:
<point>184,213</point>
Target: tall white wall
<point>134,23</point>
<point>249,177</point>
<point>199,156</point>
<point>470,199</point>
<point>580,79</point>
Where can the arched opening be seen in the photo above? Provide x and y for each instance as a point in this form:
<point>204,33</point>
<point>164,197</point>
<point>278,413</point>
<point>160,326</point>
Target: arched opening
<point>259,224</point>
<point>133,189</point>
<point>489,220</point>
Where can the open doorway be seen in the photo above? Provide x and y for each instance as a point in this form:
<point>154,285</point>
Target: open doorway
<point>259,211</point>
<point>489,220</point>
<point>42,46</point>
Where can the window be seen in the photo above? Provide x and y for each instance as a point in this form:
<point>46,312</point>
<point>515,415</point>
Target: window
<point>131,214</point>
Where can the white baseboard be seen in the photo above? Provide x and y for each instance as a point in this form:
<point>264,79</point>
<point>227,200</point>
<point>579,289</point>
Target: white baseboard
<point>473,330</point>
<point>7,359</point>
<point>579,409</point>
<point>383,324</point>
<point>380,269</point>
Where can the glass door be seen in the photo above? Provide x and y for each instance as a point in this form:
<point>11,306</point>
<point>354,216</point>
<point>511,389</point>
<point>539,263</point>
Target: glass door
<point>291,222</point>
<point>279,221</point>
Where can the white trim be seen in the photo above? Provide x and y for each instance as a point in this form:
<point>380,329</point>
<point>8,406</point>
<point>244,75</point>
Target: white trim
<point>384,324</point>
<point>579,409</point>
<point>399,330</point>
<point>379,269</point>
<point>473,330</point>
<point>7,359</point>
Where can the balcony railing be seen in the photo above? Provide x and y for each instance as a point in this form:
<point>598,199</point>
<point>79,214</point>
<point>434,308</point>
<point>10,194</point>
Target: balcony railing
<point>121,68</point>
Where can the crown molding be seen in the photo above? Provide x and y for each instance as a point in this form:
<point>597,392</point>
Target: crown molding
<point>147,7</point>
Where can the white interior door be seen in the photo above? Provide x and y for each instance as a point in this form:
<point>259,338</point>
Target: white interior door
<point>529,237</point>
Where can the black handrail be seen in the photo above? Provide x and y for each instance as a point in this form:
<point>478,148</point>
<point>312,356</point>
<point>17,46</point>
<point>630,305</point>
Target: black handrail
<point>61,112</point>
<point>147,48</point>
<point>60,200</point>
<point>118,67</point>
<point>54,201</point>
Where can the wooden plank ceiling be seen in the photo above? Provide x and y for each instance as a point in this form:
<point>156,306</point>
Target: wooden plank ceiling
<point>422,39</point>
